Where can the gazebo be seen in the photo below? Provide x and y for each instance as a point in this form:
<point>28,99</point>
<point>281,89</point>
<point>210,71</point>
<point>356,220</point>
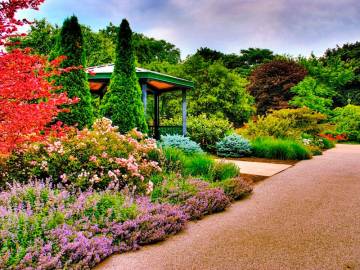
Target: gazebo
<point>151,82</point>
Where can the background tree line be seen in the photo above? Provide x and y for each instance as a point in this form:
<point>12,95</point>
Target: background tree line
<point>230,86</point>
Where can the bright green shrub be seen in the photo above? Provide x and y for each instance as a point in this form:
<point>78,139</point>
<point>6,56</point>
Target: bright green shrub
<point>347,120</point>
<point>233,146</point>
<point>122,101</point>
<point>180,142</point>
<point>285,149</point>
<point>100,158</point>
<point>234,188</point>
<point>286,123</point>
<point>224,170</point>
<point>207,131</point>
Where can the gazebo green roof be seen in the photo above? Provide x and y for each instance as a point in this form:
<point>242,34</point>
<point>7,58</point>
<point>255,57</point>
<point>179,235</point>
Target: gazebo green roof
<point>162,82</point>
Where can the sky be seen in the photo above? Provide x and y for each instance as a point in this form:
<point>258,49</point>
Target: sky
<point>295,27</point>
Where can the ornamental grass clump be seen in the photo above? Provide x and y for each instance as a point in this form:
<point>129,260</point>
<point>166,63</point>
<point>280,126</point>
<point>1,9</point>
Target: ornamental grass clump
<point>174,159</point>
<point>100,158</point>
<point>199,165</point>
<point>180,142</point>
<point>233,146</point>
<point>224,170</point>
<point>284,149</point>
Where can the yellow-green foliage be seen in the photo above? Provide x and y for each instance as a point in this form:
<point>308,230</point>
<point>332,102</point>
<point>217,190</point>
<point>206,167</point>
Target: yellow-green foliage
<point>286,123</point>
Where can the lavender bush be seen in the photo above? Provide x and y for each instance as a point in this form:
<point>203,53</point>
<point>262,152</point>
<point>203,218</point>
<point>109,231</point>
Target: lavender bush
<point>45,228</point>
<point>206,202</point>
<point>195,197</point>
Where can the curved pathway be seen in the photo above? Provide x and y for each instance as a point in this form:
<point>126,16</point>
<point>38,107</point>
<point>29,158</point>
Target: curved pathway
<point>307,217</point>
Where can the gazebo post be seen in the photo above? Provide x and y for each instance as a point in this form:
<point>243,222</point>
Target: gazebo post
<point>156,116</point>
<point>144,96</point>
<point>184,113</point>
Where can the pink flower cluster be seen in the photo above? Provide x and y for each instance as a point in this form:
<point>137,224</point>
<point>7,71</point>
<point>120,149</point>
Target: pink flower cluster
<point>100,158</point>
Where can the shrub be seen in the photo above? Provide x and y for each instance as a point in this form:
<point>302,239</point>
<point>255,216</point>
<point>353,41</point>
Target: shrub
<point>233,146</point>
<point>284,149</point>
<point>347,120</point>
<point>100,159</point>
<point>317,144</point>
<point>234,188</point>
<point>286,123</point>
<point>181,142</point>
<point>204,130</point>
<point>224,170</point>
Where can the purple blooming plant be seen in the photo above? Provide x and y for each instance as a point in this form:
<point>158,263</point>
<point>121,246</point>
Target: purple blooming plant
<point>205,202</point>
<point>46,228</point>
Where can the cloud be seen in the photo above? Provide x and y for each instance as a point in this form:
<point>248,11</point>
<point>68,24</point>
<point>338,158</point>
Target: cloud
<point>285,26</point>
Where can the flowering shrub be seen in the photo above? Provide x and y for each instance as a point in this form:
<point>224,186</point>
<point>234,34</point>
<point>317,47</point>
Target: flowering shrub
<point>45,228</point>
<point>334,137</point>
<point>100,158</point>
<point>233,146</point>
<point>181,142</point>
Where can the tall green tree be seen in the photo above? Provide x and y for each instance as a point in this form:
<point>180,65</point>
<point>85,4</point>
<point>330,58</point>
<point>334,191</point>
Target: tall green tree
<point>350,54</point>
<point>74,83</point>
<point>122,101</point>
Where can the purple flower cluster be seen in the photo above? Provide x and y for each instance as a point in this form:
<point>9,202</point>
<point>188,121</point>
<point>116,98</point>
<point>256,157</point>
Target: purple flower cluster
<point>67,247</point>
<point>205,202</point>
<point>43,228</point>
<point>155,223</point>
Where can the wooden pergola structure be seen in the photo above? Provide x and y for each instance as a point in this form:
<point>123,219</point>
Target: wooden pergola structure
<point>151,82</point>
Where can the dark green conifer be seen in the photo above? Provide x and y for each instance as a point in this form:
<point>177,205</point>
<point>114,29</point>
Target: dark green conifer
<point>122,102</point>
<point>75,82</point>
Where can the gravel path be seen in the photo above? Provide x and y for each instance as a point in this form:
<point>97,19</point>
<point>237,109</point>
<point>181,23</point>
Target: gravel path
<point>307,217</point>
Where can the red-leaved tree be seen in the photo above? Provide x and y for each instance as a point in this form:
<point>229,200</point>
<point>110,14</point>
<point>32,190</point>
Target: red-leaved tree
<point>29,102</point>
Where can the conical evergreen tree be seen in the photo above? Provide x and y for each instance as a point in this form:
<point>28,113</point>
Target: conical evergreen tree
<point>75,83</point>
<point>122,101</point>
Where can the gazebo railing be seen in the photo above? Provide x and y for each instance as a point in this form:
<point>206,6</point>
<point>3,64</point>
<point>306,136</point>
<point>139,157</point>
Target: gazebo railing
<point>166,130</point>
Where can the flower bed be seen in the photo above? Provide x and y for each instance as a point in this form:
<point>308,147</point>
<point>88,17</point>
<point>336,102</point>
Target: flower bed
<point>70,202</point>
<point>47,228</point>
